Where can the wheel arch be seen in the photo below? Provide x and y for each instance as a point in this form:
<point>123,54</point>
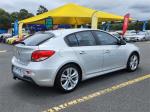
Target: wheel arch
<point>135,52</point>
<point>74,63</point>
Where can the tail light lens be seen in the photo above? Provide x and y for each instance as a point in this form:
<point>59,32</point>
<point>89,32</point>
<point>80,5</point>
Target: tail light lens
<point>41,55</point>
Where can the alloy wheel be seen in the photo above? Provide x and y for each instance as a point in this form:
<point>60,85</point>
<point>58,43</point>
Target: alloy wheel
<point>69,78</point>
<point>133,62</point>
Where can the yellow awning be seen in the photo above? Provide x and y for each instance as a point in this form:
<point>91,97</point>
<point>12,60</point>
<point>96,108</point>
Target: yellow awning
<point>72,14</point>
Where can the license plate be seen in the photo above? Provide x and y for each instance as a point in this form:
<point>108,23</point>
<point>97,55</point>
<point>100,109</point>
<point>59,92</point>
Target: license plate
<point>18,71</point>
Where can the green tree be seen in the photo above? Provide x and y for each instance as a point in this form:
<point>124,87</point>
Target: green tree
<point>24,14</point>
<point>148,25</point>
<point>41,10</point>
<point>4,19</point>
<point>14,16</point>
<point>116,26</point>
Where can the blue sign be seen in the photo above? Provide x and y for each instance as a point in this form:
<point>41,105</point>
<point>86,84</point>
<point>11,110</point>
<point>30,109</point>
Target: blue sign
<point>36,27</point>
<point>3,30</point>
<point>15,28</point>
<point>65,26</point>
<point>49,23</point>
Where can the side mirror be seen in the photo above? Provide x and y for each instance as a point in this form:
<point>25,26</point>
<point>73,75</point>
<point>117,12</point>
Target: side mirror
<point>121,42</point>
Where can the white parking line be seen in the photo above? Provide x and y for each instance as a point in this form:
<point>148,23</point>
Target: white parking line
<point>3,51</point>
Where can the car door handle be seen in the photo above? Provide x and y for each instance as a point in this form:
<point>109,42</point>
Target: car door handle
<point>107,51</point>
<point>82,52</point>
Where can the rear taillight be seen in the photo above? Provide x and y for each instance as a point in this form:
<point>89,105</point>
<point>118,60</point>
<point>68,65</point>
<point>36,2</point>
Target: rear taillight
<point>41,55</point>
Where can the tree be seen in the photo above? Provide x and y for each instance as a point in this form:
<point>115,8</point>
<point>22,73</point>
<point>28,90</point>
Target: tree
<point>4,19</point>
<point>14,16</point>
<point>116,26</point>
<point>24,14</point>
<point>148,25</point>
<point>41,10</point>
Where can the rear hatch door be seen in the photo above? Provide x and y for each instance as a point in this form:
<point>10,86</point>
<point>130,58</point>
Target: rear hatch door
<point>23,53</point>
<point>24,49</point>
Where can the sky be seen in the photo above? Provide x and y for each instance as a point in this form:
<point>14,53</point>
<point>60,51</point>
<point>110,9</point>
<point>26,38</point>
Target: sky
<point>138,9</point>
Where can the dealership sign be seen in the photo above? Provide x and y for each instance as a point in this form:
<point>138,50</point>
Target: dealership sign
<point>49,23</point>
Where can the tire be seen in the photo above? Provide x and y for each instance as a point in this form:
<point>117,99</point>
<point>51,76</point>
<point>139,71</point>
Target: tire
<point>133,62</point>
<point>65,80</point>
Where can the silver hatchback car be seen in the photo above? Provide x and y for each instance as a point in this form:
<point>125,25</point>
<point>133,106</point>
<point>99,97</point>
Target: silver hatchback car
<point>63,58</point>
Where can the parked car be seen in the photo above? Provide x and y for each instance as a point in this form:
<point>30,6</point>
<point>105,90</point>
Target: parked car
<point>131,36</point>
<point>64,58</point>
<point>7,35</point>
<point>143,35</point>
<point>1,37</point>
<point>4,37</point>
<point>147,35</point>
<point>137,36</point>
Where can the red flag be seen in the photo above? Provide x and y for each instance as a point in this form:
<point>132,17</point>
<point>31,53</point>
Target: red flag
<point>125,24</point>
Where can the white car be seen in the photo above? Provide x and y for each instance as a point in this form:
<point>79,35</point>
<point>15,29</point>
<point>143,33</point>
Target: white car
<point>1,35</point>
<point>63,58</point>
<point>7,35</point>
<point>137,36</point>
<point>131,36</point>
<point>143,35</point>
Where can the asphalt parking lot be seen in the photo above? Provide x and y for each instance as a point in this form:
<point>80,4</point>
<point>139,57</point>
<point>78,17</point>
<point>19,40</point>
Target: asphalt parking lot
<point>115,92</point>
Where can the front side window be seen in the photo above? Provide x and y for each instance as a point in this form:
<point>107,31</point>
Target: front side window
<point>85,38</point>
<point>117,35</point>
<point>105,38</point>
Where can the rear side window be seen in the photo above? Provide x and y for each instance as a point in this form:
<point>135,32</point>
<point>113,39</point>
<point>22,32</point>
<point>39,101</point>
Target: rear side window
<point>85,38</point>
<point>37,39</point>
<point>71,40</point>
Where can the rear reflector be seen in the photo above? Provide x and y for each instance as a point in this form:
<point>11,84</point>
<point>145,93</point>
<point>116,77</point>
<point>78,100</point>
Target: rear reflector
<point>41,55</point>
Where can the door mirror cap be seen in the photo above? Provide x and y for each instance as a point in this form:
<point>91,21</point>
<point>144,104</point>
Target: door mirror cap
<point>121,42</point>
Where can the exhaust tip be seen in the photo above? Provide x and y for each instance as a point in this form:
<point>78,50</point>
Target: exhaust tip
<point>14,78</point>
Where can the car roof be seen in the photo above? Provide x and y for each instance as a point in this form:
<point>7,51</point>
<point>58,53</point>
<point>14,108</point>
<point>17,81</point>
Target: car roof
<point>113,32</point>
<point>65,32</point>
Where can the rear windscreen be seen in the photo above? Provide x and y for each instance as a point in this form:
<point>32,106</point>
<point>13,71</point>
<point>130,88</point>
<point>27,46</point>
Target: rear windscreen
<point>37,39</point>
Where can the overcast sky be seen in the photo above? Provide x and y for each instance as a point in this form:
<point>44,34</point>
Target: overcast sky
<point>139,9</point>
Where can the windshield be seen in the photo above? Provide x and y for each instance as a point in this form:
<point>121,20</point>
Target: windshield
<point>37,39</point>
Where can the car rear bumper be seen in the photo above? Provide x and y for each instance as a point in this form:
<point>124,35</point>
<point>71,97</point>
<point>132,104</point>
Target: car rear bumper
<point>41,76</point>
<point>24,78</point>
